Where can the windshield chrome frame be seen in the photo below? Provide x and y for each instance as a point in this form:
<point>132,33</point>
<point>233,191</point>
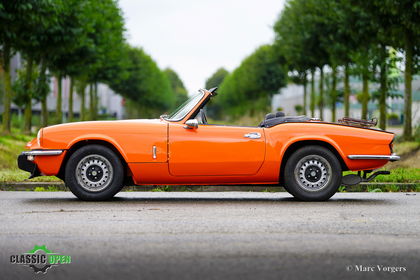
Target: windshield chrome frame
<point>203,93</point>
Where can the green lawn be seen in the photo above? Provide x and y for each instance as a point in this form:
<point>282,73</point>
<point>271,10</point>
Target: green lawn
<point>401,175</point>
<point>398,175</point>
<point>10,148</point>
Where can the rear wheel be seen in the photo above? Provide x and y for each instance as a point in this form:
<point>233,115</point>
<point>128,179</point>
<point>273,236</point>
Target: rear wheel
<point>312,173</point>
<point>94,172</point>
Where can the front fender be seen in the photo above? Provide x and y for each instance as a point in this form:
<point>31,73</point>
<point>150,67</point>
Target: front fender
<point>97,137</point>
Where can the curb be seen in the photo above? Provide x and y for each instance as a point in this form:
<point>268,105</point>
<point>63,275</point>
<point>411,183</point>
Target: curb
<point>59,186</point>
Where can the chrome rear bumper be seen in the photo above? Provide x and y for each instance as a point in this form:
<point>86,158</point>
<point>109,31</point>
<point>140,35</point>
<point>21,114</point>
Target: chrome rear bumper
<point>392,157</point>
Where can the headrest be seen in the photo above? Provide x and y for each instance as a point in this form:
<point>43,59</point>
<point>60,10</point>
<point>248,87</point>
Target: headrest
<point>270,116</point>
<point>280,114</point>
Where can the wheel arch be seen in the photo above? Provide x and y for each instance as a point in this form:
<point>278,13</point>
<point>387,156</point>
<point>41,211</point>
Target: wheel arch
<point>294,146</point>
<point>84,142</point>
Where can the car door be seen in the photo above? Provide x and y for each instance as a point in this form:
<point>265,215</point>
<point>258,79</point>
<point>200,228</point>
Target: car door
<point>213,150</point>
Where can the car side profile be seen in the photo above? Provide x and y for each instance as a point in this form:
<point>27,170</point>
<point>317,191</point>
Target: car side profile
<point>306,156</point>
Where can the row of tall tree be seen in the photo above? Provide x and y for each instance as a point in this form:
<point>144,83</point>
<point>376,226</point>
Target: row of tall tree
<point>350,37</point>
<point>84,41</point>
<point>249,87</point>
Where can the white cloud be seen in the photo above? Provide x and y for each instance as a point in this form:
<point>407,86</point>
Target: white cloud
<point>197,37</point>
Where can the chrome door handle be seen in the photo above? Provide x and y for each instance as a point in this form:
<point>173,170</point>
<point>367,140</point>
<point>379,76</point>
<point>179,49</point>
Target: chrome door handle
<point>253,135</point>
<point>154,152</point>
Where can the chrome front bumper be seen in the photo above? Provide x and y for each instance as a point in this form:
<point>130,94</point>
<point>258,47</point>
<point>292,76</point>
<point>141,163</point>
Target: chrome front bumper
<point>43,153</point>
<point>392,157</point>
<point>26,160</point>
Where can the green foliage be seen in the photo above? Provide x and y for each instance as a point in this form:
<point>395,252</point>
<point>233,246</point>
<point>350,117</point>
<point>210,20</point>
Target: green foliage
<point>141,81</point>
<point>214,109</point>
<point>91,39</point>
<point>83,39</point>
<point>47,189</point>
<point>299,108</point>
<point>10,147</point>
<point>342,189</point>
<point>248,89</point>
<point>177,86</point>
<point>21,94</point>
<point>298,44</point>
<point>356,34</point>
<point>217,78</point>
<point>162,189</point>
<point>398,175</point>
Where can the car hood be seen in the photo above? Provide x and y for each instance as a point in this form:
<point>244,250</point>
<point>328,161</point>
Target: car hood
<point>97,129</point>
<point>100,124</point>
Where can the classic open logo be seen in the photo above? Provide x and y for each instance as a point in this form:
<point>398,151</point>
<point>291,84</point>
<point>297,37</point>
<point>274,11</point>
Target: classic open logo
<point>40,259</point>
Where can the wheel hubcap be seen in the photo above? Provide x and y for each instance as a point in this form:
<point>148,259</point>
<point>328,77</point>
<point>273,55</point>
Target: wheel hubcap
<point>94,173</point>
<point>313,173</point>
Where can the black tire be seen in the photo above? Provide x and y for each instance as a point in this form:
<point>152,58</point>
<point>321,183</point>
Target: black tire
<point>94,173</point>
<point>312,173</point>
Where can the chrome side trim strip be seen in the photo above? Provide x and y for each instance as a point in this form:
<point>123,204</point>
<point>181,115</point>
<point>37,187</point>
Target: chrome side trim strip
<point>392,157</point>
<point>43,153</point>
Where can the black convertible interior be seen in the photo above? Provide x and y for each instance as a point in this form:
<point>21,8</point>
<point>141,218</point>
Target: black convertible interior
<point>273,119</point>
<point>270,120</point>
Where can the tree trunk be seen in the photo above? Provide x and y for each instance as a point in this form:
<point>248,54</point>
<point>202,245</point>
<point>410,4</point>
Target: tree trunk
<point>44,109</point>
<point>321,92</point>
<point>58,110</point>
<point>346,91</point>
<point>408,99</point>
<point>95,94</point>
<point>383,89</point>
<point>28,91</point>
<point>43,95</point>
<point>7,98</point>
<point>312,93</point>
<point>71,100</point>
<point>305,95</point>
<point>1,80</point>
<point>91,103</point>
<point>82,102</point>
<point>333,94</point>
<point>365,94</point>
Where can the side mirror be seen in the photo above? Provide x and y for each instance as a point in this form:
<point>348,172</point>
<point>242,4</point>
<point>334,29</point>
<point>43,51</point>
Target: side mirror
<point>191,124</point>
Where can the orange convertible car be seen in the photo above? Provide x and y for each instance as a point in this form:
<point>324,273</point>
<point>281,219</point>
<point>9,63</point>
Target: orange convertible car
<point>306,156</point>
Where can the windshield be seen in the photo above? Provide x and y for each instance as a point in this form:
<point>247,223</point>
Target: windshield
<point>185,108</point>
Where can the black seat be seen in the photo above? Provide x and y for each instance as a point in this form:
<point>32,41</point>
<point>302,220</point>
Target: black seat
<point>270,116</point>
<point>273,119</point>
<point>280,114</point>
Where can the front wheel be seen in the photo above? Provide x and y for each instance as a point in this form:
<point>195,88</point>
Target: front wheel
<point>312,173</point>
<point>94,172</point>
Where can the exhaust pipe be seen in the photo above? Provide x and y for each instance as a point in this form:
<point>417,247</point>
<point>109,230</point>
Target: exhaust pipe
<point>353,179</point>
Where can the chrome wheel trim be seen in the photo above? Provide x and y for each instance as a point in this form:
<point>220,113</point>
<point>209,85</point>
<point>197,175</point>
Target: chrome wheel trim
<point>94,173</point>
<point>313,173</point>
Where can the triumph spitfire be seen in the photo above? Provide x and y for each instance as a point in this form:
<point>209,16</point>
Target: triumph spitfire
<point>304,155</point>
